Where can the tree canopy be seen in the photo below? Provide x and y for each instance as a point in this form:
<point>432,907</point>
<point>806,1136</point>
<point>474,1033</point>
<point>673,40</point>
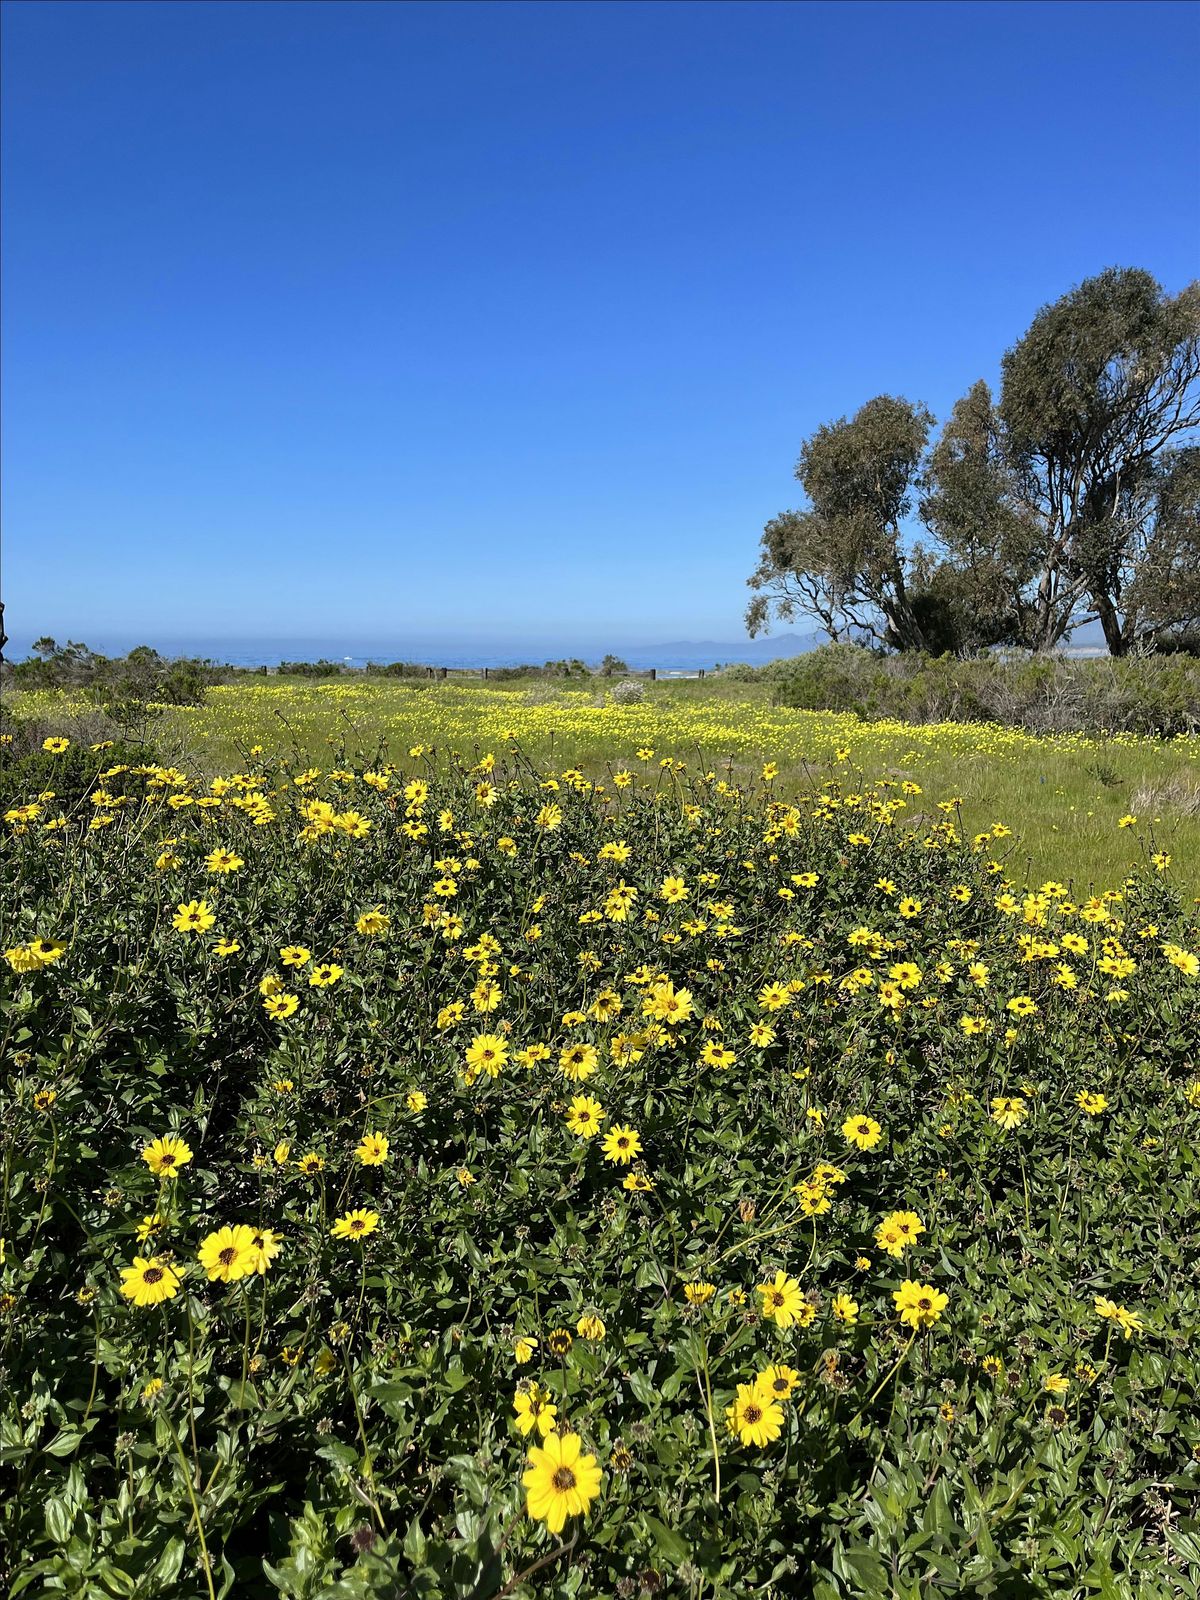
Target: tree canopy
<point>1073,497</point>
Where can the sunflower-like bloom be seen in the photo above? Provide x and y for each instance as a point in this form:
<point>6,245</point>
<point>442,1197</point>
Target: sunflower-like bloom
<point>373,1150</point>
<point>149,1281</point>
<point>166,1155</point>
<point>534,1409</point>
<point>755,1416</point>
<point>782,1301</point>
<point>355,1225</point>
<point>621,1145</point>
<point>919,1305</point>
<point>229,1254</point>
<point>561,1481</point>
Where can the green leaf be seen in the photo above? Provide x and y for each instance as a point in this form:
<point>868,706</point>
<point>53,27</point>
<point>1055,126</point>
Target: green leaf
<point>65,1442</point>
<point>668,1543</point>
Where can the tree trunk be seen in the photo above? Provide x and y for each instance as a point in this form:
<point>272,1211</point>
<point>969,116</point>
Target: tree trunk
<point>1114,636</point>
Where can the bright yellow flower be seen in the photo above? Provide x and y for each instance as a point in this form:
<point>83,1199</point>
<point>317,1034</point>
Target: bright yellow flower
<point>165,1156</point>
<point>372,1151</point>
<point>229,1254</point>
<point>584,1116</point>
<point>622,1145</point>
<point>897,1231</point>
<point>533,1409</point>
<point>223,861</point>
<point>561,1481</point>
<point>193,916</point>
<point>862,1131</point>
<point>754,1416</point>
<point>845,1308</point>
<point>578,1061</point>
<point>778,1383</point>
<point>149,1281</point>
<point>1091,1104</point>
<point>355,1225</point>
<point>782,1301</point>
<point>1009,1111</point>
<point>919,1305</point>
<point>487,1052</point>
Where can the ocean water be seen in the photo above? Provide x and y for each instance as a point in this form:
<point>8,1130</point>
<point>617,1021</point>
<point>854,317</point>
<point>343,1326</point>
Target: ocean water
<point>687,656</point>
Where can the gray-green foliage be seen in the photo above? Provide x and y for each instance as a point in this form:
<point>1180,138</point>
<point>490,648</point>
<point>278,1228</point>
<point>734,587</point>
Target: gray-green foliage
<point>1044,694</point>
<point>1074,496</point>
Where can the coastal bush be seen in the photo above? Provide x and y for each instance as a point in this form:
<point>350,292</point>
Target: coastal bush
<point>58,771</point>
<point>1158,695</point>
<point>466,1179</point>
<point>121,685</point>
<point>629,692</point>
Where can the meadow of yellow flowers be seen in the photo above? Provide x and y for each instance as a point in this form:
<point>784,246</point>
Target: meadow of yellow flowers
<point>1061,796</point>
<point>471,1177</point>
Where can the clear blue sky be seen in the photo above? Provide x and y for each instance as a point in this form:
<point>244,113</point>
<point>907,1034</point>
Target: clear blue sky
<point>499,319</point>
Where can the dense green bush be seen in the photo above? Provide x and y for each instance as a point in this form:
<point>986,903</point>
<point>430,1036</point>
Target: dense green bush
<point>116,683</point>
<point>808,1024</point>
<point>1044,694</point>
<point>28,769</point>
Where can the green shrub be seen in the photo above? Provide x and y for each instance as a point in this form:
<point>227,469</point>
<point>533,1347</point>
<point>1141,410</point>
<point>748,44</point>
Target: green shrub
<point>116,683</point>
<point>808,1024</point>
<point>1158,695</point>
<point>28,770</point>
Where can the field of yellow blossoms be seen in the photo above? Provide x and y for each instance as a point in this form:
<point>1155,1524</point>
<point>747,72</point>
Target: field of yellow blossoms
<point>469,1178</point>
<point>1065,797</point>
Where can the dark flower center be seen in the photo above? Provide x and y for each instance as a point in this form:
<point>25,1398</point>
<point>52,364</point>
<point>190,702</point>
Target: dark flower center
<point>152,1275</point>
<point>227,1256</point>
<point>752,1414</point>
<point>563,1479</point>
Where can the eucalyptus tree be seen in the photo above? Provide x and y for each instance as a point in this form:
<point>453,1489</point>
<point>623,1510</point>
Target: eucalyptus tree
<point>1094,401</point>
<point>1071,498</point>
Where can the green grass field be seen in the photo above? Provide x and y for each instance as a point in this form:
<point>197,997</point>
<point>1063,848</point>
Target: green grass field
<point>1062,797</point>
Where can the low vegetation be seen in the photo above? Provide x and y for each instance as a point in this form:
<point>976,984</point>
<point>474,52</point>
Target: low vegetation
<point>1068,798</point>
<point>462,1178</point>
<point>1154,695</point>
